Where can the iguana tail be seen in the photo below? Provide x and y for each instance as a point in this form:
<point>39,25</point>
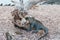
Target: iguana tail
<point>46,32</point>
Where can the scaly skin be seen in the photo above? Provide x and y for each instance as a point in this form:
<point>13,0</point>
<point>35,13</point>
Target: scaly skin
<point>37,25</point>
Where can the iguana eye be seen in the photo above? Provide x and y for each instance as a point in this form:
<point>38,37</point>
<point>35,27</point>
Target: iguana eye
<point>20,18</point>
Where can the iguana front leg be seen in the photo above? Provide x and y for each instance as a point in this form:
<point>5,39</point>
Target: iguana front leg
<point>30,27</point>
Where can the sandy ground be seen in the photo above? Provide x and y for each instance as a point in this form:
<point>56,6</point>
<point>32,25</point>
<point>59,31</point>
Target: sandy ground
<point>48,15</point>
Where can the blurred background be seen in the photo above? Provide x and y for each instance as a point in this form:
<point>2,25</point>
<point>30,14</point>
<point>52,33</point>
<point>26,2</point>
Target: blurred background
<point>42,2</point>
